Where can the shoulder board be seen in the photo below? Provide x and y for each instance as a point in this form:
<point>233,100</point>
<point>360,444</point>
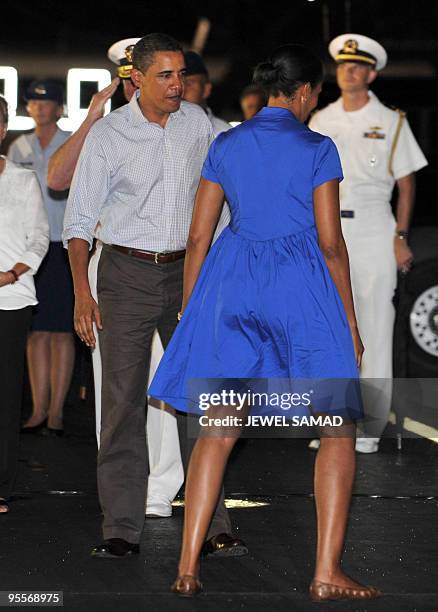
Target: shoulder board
<point>401,112</point>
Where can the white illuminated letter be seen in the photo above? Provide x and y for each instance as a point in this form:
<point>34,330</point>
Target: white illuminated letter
<point>75,77</point>
<point>10,76</point>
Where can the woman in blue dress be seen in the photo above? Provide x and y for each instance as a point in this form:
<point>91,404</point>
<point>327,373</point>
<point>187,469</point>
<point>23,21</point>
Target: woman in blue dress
<point>272,299</point>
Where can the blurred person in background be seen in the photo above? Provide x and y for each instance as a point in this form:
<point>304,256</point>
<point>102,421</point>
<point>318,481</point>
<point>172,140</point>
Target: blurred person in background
<point>166,470</point>
<point>378,151</point>
<point>24,240</point>
<point>50,347</point>
<point>252,99</point>
<point>198,87</point>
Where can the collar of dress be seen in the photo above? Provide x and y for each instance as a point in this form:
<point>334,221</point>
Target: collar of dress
<point>276,111</point>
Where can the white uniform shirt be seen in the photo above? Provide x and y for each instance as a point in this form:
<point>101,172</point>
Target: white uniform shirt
<point>364,139</point>
<point>26,150</point>
<point>24,233</point>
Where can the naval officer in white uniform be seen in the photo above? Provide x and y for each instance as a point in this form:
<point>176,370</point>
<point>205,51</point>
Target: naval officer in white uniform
<point>378,151</point>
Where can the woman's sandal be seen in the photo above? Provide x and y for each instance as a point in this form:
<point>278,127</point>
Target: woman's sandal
<point>4,504</point>
<point>323,591</point>
<point>186,586</point>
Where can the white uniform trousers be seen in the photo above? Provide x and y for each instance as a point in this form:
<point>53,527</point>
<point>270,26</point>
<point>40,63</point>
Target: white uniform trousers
<point>369,237</point>
<point>166,469</point>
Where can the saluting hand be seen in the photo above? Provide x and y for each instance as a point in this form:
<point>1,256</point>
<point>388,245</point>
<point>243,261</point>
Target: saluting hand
<point>86,313</point>
<point>98,101</point>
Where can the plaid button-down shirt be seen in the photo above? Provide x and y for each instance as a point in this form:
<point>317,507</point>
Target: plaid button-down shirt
<point>139,180</point>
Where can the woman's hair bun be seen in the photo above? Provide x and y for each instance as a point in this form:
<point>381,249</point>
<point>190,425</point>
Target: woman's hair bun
<point>266,74</point>
<point>287,68</point>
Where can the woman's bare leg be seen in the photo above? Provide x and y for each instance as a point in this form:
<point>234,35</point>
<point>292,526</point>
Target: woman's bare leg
<point>334,475</point>
<point>62,357</point>
<point>204,480</point>
<point>38,361</point>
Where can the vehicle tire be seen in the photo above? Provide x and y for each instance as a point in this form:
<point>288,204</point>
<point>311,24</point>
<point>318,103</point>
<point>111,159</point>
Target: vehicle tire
<point>422,289</point>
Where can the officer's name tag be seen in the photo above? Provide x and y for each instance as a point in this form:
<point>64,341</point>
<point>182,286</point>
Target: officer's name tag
<point>347,214</point>
<point>374,135</point>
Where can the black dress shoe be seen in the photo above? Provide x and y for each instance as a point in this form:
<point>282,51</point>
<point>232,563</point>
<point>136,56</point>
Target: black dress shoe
<point>224,545</point>
<point>114,548</point>
<point>50,432</point>
<point>34,429</point>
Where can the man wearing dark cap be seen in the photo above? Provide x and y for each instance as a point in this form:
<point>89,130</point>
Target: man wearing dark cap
<point>197,89</point>
<point>51,343</point>
<point>378,151</point>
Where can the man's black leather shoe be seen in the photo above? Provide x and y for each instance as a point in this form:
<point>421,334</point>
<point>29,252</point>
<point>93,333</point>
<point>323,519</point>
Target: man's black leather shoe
<point>224,545</point>
<point>115,548</point>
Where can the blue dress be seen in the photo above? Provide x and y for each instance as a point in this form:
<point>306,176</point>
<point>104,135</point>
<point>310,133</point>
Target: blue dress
<point>265,305</point>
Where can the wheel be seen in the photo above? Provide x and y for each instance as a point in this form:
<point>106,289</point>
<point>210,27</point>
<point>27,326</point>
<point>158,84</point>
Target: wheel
<point>422,287</point>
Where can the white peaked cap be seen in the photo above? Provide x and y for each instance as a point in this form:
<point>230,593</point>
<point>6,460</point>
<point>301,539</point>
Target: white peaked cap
<point>358,48</point>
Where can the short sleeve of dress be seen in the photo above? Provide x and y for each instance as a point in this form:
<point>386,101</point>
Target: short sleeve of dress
<point>327,164</point>
<point>209,169</point>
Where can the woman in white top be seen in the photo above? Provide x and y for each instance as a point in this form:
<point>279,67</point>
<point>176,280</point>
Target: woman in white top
<point>24,240</point>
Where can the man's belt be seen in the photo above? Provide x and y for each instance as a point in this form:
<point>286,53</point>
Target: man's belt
<point>157,258</point>
<point>347,214</point>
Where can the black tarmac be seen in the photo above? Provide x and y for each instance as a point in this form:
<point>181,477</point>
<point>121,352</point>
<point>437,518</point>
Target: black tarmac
<point>54,520</point>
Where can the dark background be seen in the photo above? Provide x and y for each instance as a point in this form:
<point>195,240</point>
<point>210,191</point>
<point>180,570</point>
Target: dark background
<point>54,35</point>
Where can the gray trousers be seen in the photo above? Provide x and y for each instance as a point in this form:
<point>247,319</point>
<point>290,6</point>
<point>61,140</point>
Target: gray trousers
<point>135,298</point>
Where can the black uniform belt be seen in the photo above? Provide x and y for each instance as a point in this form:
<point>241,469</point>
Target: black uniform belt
<point>150,255</point>
<point>347,214</point>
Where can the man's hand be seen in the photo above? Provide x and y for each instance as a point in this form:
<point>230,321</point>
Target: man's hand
<point>403,255</point>
<point>86,313</point>
<point>98,101</point>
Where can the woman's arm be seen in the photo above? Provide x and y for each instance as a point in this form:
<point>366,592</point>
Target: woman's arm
<point>208,205</point>
<point>9,278</point>
<point>332,244</point>
<point>36,227</point>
